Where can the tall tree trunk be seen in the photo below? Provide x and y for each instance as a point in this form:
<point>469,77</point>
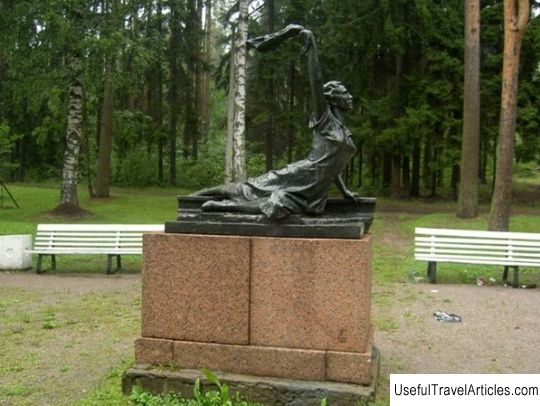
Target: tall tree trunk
<point>106,133</point>
<point>174,43</point>
<point>406,176</point>
<point>470,144</point>
<point>157,118</point>
<point>427,163</point>
<point>387,170</point>
<point>205,79</point>
<point>229,152</point>
<point>196,71</point>
<point>415,178</point>
<point>239,121</point>
<point>434,171</point>
<point>157,103</point>
<point>68,188</point>
<point>515,21</point>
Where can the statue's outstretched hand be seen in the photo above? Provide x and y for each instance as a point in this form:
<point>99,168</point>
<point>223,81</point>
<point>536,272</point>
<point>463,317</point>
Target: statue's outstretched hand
<point>355,197</point>
<point>271,41</point>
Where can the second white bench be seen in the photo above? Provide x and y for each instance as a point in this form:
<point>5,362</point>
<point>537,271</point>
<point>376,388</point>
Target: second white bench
<point>112,240</point>
<point>510,250</point>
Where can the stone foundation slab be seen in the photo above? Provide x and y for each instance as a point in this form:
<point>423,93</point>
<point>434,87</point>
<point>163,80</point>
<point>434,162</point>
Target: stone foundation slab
<point>268,391</point>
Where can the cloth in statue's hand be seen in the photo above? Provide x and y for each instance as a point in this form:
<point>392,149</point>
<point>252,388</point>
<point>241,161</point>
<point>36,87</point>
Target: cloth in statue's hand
<point>271,41</point>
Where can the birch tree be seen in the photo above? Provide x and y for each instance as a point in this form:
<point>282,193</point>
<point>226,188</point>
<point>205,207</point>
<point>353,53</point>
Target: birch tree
<point>239,116</point>
<point>516,16</point>
<point>68,186</point>
<point>68,189</point>
<point>229,153</point>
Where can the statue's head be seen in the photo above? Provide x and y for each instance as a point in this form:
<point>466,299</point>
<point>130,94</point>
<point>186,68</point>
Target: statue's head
<point>337,95</point>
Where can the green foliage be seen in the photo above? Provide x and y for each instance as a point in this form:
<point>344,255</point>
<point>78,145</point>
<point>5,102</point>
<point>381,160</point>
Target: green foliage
<point>7,146</point>
<point>207,169</point>
<point>136,168</point>
<point>211,397</point>
<point>402,61</point>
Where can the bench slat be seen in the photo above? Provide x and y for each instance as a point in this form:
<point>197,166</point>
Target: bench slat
<point>498,254</point>
<point>85,234</point>
<point>467,249</point>
<point>87,250</point>
<point>88,244</point>
<point>102,227</point>
<point>119,238</point>
<point>480,234</point>
<point>476,261</point>
<point>468,241</point>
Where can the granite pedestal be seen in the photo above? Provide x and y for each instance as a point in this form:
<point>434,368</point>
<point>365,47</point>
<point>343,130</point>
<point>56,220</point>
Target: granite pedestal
<point>286,309</point>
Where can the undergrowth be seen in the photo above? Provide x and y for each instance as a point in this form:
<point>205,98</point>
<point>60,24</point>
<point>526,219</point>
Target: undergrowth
<point>213,397</point>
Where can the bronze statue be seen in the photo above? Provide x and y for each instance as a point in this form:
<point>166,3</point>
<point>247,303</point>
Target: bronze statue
<point>303,186</point>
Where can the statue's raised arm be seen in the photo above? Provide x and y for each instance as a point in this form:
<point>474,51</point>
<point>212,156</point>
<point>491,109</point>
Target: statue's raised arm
<point>301,187</point>
<point>315,74</point>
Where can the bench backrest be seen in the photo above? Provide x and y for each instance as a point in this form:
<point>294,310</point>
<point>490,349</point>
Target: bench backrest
<point>477,247</point>
<point>80,238</point>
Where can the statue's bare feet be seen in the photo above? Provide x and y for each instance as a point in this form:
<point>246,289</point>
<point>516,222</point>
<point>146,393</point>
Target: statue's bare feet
<point>219,205</point>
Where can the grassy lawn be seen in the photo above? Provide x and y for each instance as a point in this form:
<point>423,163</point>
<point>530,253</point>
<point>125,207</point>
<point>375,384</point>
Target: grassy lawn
<point>53,340</point>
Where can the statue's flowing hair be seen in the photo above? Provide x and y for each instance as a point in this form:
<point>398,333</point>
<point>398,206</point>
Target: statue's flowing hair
<point>330,88</point>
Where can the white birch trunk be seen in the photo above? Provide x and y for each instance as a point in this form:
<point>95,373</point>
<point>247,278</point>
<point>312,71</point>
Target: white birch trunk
<point>239,120</point>
<point>229,170</point>
<point>68,188</point>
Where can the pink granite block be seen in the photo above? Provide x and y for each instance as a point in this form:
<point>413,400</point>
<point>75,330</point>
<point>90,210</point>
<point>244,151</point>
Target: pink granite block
<point>311,293</point>
<point>348,367</point>
<point>196,287</point>
<point>251,360</point>
<point>153,351</point>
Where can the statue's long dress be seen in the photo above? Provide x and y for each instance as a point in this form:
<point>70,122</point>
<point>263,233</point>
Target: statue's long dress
<point>303,186</point>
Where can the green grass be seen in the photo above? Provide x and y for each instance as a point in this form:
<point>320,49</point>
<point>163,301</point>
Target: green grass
<point>129,206</point>
<point>394,255</point>
<point>55,342</point>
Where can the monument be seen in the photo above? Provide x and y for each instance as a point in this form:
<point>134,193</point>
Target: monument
<point>267,282</point>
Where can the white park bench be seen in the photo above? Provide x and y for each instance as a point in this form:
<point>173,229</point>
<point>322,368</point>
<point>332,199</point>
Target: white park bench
<point>510,250</point>
<point>112,240</point>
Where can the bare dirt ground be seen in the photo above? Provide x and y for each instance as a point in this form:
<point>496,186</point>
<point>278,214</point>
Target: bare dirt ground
<point>498,333</point>
<point>61,334</point>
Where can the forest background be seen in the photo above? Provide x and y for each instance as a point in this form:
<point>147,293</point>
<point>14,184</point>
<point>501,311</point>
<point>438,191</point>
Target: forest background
<point>153,79</point>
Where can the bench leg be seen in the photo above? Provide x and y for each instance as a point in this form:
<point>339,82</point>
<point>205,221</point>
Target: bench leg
<point>505,275</point>
<point>39,262</point>
<point>432,272</point>
<point>515,283</point>
<point>109,263</point>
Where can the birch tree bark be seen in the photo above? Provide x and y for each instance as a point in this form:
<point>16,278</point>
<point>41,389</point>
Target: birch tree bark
<point>516,16</point>
<point>470,144</point>
<point>229,153</point>
<point>68,188</point>
<point>239,120</point>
